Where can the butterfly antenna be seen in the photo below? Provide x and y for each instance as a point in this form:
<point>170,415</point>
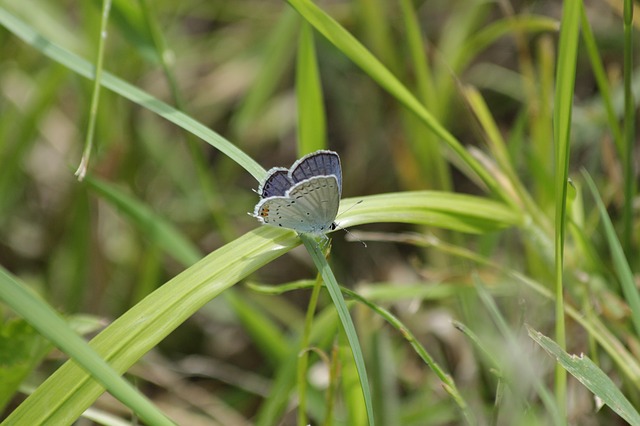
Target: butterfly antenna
<point>359,202</point>
<point>352,236</point>
<point>346,230</point>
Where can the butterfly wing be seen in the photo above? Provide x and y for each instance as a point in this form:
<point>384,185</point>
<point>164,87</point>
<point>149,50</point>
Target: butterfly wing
<point>309,207</point>
<point>319,163</point>
<point>277,183</point>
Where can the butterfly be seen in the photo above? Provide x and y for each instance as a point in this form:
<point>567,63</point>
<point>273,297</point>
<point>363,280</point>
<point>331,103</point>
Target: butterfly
<point>305,197</point>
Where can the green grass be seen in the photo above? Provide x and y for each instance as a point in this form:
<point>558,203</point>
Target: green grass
<point>491,260</point>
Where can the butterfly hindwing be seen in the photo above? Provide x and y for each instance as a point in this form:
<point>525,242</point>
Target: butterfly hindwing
<point>310,206</point>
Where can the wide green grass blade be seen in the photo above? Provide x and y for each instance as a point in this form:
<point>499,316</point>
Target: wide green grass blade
<point>590,375</point>
<point>43,318</point>
<point>143,326</point>
<point>84,68</point>
<point>347,323</point>
<point>464,213</point>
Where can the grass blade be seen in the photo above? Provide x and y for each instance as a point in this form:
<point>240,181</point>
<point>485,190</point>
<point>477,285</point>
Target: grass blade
<point>355,51</point>
<point>629,130</point>
<point>128,91</point>
<point>42,317</point>
<point>143,326</point>
<point>623,270</point>
<point>148,221</point>
<point>95,95</point>
<point>590,375</point>
<point>565,83</point>
<point>345,318</point>
<point>312,132</point>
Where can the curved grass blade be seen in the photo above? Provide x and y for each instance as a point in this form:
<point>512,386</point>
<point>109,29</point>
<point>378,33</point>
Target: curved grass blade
<point>43,318</point>
<point>128,91</point>
<point>147,323</point>
<point>464,213</point>
<point>354,50</point>
<point>143,326</point>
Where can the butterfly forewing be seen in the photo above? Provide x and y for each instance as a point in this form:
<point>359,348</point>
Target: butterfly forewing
<point>276,184</point>
<point>309,206</point>
<point>319,163</point>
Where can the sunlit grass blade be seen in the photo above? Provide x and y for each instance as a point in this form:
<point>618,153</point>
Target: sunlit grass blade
<point>144,325</point>
<point>312,132</point>
<point>590,375</point>
<point>172,241</point>
<point>447,210</point>
<point>43,318</point>
<point>424,79</point>
<point>349,329</point>
<point>374,19</point>
<point>128,91</point>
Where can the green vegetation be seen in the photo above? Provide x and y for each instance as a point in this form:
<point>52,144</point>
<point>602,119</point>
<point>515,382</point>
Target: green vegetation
<point>487,155</point>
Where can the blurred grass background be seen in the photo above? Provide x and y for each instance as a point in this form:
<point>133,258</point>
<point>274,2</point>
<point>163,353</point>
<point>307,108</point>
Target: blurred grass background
<point>462,280</point>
